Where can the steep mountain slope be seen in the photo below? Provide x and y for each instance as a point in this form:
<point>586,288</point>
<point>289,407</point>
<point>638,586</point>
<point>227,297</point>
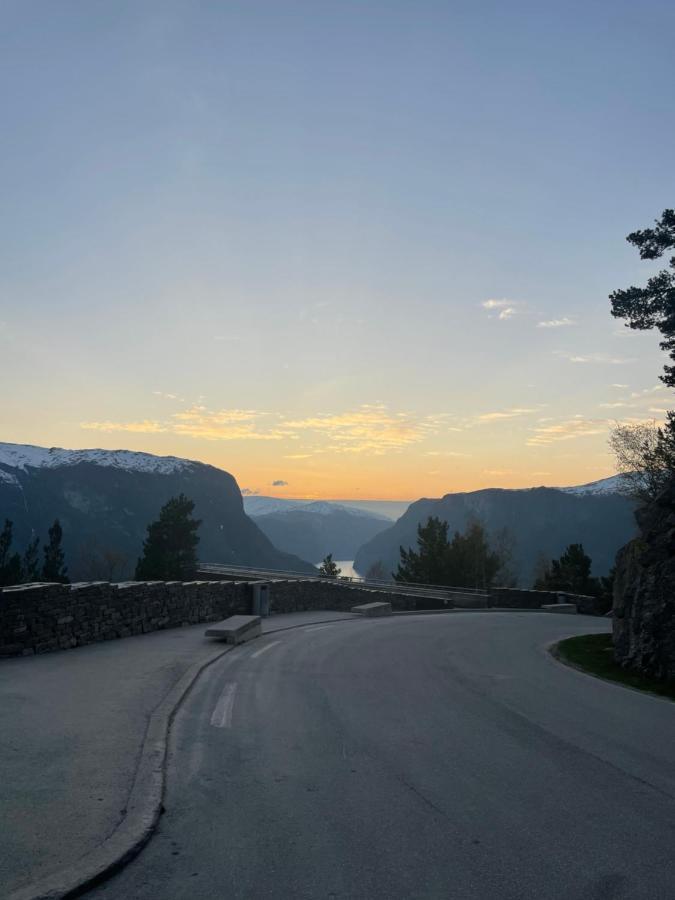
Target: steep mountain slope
<point>541,521</point>
<point>315,529</point>
<point>105,500</point>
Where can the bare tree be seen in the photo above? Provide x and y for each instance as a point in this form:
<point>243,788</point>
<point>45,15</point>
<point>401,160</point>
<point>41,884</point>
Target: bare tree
<point>99,563</point>
<point>643,459</point>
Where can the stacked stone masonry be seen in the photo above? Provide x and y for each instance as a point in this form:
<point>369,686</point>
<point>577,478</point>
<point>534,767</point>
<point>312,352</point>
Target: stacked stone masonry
<point>37,618</point>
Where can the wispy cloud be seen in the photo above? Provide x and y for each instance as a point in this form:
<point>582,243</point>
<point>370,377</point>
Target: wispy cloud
<point>556,323</point>
<point>503,309</point>
<point>566,431</point>
<point>449,453</point>
<point>369,429</point>
<point>165,396</point>
<point>505,414</point>
<point>144,427</point>
<point>601,358</point>
<point>279,483</point>
<point>225,425</point>
<point>200,422</point>
<point>657,389</point>
<point>496,304</point>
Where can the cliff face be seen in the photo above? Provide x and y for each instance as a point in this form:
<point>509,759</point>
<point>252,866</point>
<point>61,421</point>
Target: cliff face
<point>644,592</point>
<point>541,522</point>
<point>106,499</point>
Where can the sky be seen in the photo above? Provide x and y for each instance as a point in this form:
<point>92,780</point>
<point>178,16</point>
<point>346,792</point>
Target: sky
<point>339,249</point>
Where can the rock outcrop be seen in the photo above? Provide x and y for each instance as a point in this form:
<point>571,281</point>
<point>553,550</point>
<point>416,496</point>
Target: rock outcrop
<point>541,522</point>
<point>105,499</point>
<point>644,592</point>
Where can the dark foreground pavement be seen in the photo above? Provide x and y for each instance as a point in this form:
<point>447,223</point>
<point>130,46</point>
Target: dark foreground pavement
<point>431,757</point>
<point>72,730</point>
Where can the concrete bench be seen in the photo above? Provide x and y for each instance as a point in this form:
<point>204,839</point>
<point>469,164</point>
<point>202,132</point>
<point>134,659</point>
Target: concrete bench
<point>373,609</point>
<point>560,607</point>
<point>236,629</point>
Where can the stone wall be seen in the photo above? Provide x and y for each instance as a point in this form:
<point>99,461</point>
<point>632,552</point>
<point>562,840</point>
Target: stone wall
<point>293,596</point>
<point>644,593</point>
<point>515,598</point>
<point>37,618</point>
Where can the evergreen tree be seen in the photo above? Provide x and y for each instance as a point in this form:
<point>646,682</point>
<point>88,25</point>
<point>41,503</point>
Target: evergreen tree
<point>53,567</point>
<point>653,306</point>
<point>572,572</point>
<point>170,549</point>
<point>429,564</point>
<point>466,561</point>
<point>10,563</point>
<point>471,560</point>
<point>30,564</point>
<point>328,568</point>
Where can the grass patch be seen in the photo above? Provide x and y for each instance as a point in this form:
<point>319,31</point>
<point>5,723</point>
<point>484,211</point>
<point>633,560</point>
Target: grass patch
<point>593,654</point>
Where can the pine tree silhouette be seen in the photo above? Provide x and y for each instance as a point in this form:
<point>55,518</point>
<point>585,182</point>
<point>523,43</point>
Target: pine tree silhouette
<point>53,567</point>
<point>170,549</point>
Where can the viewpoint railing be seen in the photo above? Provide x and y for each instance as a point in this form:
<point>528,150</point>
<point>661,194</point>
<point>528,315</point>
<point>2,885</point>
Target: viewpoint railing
<point>250,573</point>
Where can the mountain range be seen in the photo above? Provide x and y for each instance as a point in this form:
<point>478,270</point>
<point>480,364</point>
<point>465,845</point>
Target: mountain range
<point>105,500</point>
<point>540,523</point>
<point>314,529</point>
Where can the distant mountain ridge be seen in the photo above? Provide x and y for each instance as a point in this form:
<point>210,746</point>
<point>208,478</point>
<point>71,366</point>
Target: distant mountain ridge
<point>105,500</point>
<point>542,522</point>
<point>260,505</point>
<point>315,529</point>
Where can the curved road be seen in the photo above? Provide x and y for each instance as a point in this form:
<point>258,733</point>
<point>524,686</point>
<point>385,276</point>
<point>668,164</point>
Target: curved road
<point>439,756</point>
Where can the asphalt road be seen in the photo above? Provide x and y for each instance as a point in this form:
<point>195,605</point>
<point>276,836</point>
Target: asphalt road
<point>421,757</point>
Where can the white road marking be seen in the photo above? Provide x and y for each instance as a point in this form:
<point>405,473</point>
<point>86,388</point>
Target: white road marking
<point>317,627</point>
<point>222,714</point>
<point>264,649</point>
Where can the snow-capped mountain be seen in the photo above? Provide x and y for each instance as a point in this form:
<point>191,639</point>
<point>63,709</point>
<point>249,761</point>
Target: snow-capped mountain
<point>612,485</point>
<point>105,500</point>
<point>28,456</point>
<point>328,508</point>
<point>257,505</point>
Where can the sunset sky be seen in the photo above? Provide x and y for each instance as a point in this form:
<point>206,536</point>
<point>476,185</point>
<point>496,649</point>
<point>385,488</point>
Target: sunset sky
<point>339,249</point>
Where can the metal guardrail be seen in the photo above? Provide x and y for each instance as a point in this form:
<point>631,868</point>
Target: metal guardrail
<point>423,590</point>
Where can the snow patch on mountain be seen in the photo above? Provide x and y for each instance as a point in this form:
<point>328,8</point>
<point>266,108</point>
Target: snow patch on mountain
<point>27,456</point>
<point>8,478</point>
<point>257,506</point>
<point>325,508</point>
<point>612,485</point>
